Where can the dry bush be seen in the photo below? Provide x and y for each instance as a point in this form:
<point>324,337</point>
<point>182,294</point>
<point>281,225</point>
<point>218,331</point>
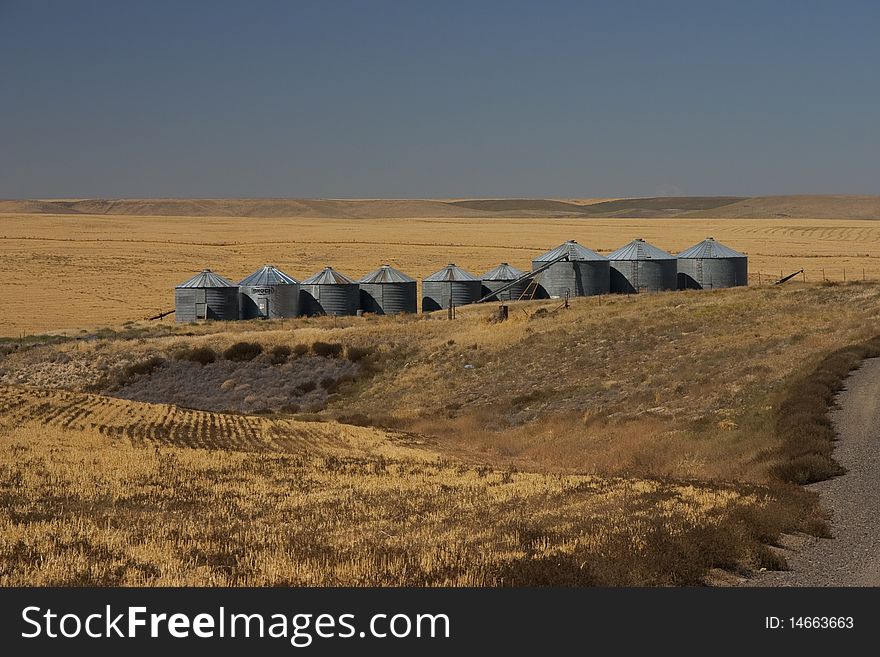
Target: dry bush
<point>243,351</point>
<point>201,355</point>
<point>356,354</point>
<point>803,424</point>
<point>279,354</point>
<point>327,350</point>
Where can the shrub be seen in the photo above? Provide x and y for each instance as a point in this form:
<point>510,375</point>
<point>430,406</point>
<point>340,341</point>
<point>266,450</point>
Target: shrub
<point>243,351</point>
<point>327,349</point>
<point>356,419</point>
<point>279,354</point>
<point>802,421</point>
<point>355,354</point>
<point>142,368</point>
<point>306,386</point>
<point>300,350</point>
<point>202,355</point>
<point>329,384</point>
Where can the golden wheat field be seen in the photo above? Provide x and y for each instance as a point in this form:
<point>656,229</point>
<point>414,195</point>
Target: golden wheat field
<point>624,440</point>
<point>87,271</point>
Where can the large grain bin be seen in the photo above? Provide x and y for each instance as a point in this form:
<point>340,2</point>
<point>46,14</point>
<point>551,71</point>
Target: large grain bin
<point>500,277</point>
<point>329,292</point>
<point>642,267</point>
<point>388,291</point>
<point>206,296</point>
<point>581,272</point>
<point>710,264</point>
<point>450,285</point>
<point>268,293</point>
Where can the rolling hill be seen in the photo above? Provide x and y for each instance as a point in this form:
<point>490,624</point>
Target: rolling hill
<point>670,207</point>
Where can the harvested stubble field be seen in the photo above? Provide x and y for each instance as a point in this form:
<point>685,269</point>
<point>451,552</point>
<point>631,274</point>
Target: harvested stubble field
<point>625,440</point>
<point>88,271</point>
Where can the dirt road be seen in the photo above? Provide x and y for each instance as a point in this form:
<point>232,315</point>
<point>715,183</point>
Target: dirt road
<point>852,557</point>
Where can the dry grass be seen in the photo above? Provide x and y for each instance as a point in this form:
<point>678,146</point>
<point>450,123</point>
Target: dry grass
<point>79,509</point>
<point>625,440</point>
<point>87,271</point>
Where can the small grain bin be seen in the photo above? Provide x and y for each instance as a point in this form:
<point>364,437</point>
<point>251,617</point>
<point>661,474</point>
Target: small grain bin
<point>501,276</point>
<point>329,292</point>
<point>450,285</point>
<point>576,270</point>
<point>268,293</point>
<point>206,296</point>
<point>642,267</point>
<point>709,265</point>
<point>388,291</point>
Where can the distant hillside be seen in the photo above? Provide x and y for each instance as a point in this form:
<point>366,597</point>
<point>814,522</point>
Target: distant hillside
<point>814,207</point>
<point>659,206</point>
<point>244,208</point>
<point>733,207</point>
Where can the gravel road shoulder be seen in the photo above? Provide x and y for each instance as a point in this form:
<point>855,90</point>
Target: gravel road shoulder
<point>852,556</point>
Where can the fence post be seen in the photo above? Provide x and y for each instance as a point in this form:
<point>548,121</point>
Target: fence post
<point>844,274</point>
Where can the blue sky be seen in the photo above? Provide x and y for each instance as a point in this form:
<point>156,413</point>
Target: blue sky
<point>436,99</point>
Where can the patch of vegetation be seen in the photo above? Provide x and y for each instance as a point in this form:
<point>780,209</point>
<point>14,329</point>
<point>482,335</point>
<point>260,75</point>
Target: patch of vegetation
<point>279,354</point>
<point>803,423</point>
<point>130,373</point>
<point>326,349</point>
<point>243,351</point>
<point>356,354</point>
<point>202,355</point>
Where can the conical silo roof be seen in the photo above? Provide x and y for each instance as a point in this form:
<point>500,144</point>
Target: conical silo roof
<point>387,274</point>
<point>639,249</point>
<point>451,273</point>
<point>709,248</point>
<point>329,276</point>
<point>267,275</point>
<point>207,278</point>
<point>573,250</point>
<point>503,272</point>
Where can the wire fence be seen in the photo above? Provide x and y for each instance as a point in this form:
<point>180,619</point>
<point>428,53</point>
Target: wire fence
<point>835,274</point>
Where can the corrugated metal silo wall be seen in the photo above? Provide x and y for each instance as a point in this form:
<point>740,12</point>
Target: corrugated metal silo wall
<point>185,300</point>
<point>581,278</point>
<point>437,294</point>
<point>513,293</point>
<point>330,299</point>
<point>389,298</point>
<point>631,276</point>
<point>222,302</point>
<point>710,273</point>
<point>278,301</point>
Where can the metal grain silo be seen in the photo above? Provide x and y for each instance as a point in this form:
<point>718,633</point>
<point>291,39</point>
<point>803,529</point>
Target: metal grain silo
<point>329,292</point>
<point>575,269</point>
<point>206,296</point>
<point>388,291</point>
<point>710,264</point>
<point>450,284</point>
<point>642,267</point>
<point>500,277</point>
<point>268,293</point>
